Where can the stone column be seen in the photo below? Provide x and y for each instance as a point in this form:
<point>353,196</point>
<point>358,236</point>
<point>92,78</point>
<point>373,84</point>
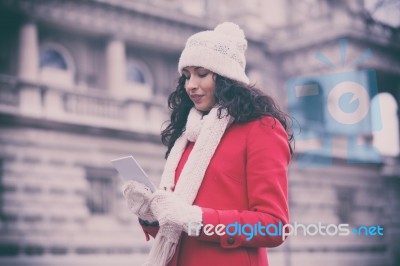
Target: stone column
<point>28,66</point>
<point>28,57</point>
<point>115,66</point>
<point>137,117</point>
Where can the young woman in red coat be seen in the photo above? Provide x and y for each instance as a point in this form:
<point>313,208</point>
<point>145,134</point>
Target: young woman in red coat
<point>227,158</point>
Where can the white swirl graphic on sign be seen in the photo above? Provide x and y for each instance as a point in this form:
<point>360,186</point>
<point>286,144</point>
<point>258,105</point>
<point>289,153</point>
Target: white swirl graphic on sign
<point>359,93</point>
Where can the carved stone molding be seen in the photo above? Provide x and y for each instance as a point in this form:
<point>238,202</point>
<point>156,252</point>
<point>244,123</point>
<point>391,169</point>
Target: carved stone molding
<point>332,27</point>
<point>97,18</point>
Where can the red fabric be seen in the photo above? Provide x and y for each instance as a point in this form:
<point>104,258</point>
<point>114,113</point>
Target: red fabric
<point>245,182</point>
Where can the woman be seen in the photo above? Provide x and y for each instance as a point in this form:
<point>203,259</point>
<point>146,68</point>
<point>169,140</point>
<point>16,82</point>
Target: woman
<point>227,157</point>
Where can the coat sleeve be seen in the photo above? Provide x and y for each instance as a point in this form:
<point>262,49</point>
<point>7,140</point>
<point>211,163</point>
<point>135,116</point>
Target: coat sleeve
<point>267,160</point>
<point>149,229</point>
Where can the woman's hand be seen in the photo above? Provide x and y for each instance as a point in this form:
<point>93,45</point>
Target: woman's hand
<point>169,209</point>
<point>137,196</point>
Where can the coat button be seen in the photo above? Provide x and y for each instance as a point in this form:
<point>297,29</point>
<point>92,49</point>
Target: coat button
<point>231,240</point>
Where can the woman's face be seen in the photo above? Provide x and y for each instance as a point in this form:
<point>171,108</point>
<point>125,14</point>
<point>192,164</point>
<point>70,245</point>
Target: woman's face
<point>200,87</point>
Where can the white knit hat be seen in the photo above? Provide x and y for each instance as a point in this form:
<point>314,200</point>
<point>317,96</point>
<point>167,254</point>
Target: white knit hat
<point>220,50</point>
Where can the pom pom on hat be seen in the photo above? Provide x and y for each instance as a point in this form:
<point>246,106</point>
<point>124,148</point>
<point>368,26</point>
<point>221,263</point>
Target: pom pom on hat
<point>221,50</point>
<point>230,29</point>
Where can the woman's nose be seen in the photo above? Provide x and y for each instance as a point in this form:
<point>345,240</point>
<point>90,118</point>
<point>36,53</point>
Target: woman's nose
<point>191,84</point>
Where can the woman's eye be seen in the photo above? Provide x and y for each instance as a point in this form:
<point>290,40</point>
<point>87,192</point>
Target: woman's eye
<point>202,75</point>
<point>186,77</point>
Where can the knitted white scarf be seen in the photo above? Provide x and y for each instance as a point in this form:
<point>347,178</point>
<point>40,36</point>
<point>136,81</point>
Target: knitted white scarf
<point>206,132</point>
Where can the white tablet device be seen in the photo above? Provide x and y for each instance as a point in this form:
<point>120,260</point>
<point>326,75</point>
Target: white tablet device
<point>130,169</point>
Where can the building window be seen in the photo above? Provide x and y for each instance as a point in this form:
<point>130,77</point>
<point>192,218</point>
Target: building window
<point>135,74</point>
<point>308,108</point>
<point>139,80</point>
<point>313,107</point>
<point>345,204</point>
<point>52,59</point>
<point>56,66</point>
<point>101,194</point>
<point>386,140</point>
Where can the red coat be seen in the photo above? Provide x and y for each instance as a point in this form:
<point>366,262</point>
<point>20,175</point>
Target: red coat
<point>245,182</point>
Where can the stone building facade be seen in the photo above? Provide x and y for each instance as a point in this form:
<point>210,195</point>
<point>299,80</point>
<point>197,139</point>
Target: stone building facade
<point>85,81</point>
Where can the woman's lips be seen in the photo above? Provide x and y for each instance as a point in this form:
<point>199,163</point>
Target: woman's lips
<point>196,98</point>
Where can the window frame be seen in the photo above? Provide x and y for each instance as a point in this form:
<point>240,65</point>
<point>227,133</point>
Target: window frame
<point>94,174</point>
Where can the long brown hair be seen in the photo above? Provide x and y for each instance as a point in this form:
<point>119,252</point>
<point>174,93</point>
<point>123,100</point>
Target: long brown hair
<point>244,103</point>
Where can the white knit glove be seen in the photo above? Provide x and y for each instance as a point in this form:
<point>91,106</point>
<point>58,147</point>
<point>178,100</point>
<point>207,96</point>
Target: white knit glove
<point>170,210</point>
<point>137,196</point>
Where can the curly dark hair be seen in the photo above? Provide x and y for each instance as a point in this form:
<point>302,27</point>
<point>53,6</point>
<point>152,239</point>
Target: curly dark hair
<point>244,103</point>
